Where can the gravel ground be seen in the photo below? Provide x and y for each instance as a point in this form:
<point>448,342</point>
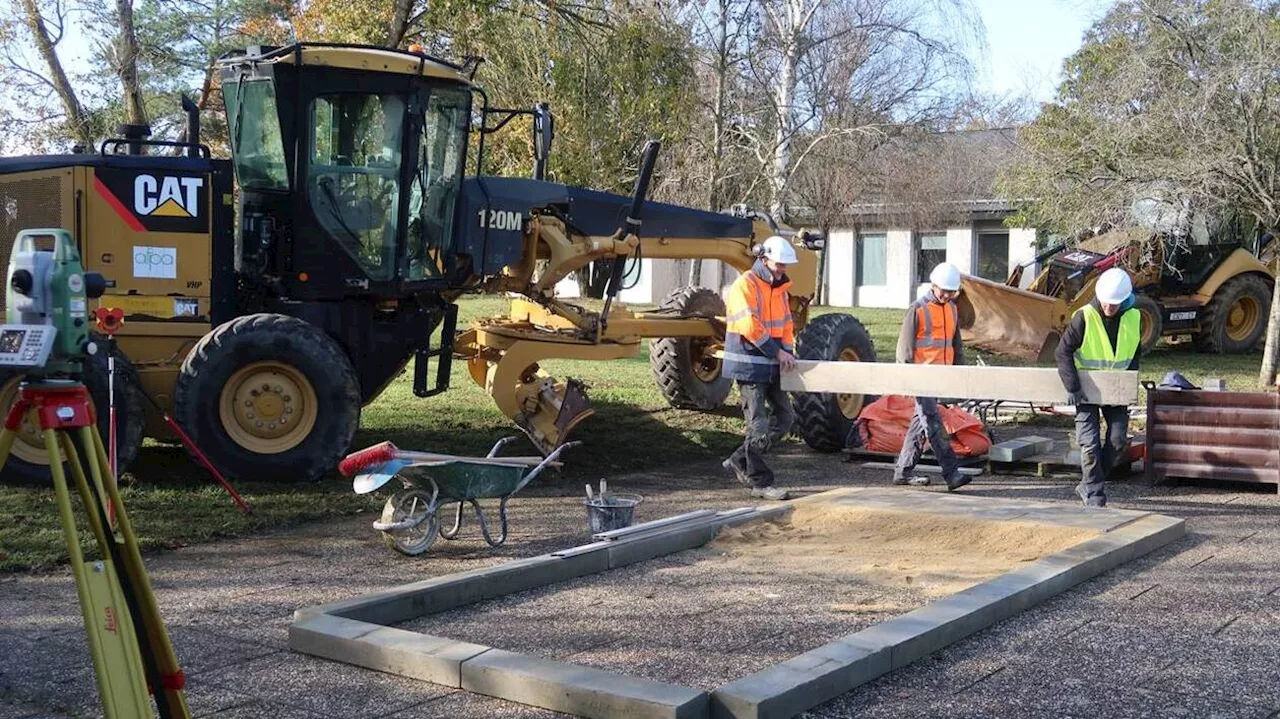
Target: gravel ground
<point>1188,630</point>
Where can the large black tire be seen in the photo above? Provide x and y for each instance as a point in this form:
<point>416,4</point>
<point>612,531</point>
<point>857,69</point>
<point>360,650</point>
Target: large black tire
<point>687,375</point>
<point>1235,320</point>
<point>1152,323</point>
<point>269,398</point>
<point>28,462</point>
<point>824,419</point>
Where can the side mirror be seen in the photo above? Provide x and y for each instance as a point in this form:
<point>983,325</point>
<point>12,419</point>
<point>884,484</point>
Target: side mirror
<point>543,133</point>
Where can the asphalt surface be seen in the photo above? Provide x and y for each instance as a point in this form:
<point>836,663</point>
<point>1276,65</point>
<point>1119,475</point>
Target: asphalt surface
<point>1191,630</point>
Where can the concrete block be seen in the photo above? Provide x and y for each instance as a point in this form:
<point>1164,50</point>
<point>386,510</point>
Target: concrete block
<point>644,527</point>
<point>384,649</point>
<point>1214,385</point>
<point>512,577</point>
<point>938,624</point>
<point>408,602</point>
<point>578,690</point>
<point>638,549</point>
<point>1015,449</point>
<point>802,682</point>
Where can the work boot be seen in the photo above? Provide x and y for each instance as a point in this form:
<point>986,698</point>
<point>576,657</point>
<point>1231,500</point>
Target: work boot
<point>738,472</point>
<point>775,493</point>
<point>957,482</point>
<point>1094,502</point>
<point>914,481</point>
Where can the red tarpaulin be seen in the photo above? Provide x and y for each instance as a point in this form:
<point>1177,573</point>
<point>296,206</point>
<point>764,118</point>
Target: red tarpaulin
<point>882,427</point>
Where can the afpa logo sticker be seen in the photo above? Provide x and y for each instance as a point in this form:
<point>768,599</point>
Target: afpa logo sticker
<point>154,201</point>
<point>167,196</point>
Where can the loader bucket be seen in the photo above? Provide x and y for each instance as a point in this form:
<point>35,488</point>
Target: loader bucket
<point>1009,321</point>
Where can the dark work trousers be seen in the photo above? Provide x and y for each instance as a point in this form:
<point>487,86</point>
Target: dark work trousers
<point>926,424</point>
<point>769,416</point>
<point>1098,457</point>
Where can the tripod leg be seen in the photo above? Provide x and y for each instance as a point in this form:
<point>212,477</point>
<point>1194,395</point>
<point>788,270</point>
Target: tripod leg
<point>172,679</point>
<point>112,642</point>
<point>6,444</point>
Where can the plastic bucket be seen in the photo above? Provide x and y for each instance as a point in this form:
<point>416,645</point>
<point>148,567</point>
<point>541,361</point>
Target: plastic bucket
<point>616,513</point>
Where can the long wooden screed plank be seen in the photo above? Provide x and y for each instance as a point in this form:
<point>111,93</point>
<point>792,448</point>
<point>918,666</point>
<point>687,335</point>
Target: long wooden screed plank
<point>1016,384</point>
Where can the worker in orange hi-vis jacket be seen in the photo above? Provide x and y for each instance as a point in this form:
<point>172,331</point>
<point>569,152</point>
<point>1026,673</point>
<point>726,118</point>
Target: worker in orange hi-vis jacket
<point>931,335</point>
<point>759,345</point>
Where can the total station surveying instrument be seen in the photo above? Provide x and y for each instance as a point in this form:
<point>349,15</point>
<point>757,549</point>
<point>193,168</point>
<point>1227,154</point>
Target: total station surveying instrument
<point>46,334</point>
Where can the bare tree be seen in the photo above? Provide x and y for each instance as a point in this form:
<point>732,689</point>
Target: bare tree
<point>882,63</point>
<point>40,25</point>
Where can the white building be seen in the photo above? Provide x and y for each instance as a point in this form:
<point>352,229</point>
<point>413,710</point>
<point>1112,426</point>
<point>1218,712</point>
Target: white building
<point>881,249</point>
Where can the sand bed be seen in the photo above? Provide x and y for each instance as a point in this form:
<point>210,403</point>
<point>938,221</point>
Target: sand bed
<point>756,595</point>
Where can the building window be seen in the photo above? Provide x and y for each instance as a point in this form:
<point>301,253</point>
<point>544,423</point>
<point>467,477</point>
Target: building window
<point>933,250</point>
<point>993,256</point>
<point>873,259</point>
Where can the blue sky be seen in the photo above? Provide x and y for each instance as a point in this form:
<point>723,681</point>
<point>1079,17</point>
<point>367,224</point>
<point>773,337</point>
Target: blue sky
<point>1028,40</point>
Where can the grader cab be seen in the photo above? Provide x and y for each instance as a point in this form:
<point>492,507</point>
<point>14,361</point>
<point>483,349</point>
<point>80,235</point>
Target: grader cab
<point>264,330</point>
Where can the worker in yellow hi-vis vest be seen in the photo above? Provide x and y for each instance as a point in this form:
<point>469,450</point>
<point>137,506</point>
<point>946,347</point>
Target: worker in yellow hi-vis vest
<point>1102,335</point>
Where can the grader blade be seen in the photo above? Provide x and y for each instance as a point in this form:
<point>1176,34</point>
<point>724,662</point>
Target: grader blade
<point>503,357</point>
<point>1009,321</point>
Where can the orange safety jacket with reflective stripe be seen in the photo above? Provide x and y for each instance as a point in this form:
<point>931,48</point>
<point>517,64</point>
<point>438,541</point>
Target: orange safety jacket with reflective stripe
<point>936,327</point>
<point>758,319</point>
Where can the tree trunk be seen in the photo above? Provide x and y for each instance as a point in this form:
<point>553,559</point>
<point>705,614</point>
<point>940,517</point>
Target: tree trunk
<point>399,26</point>
<point>127,52</point>
<point>77,122</point>
<point>790,34</point>
<point>1271,354</point>
<point>717,125</point>
<point>822,265</point>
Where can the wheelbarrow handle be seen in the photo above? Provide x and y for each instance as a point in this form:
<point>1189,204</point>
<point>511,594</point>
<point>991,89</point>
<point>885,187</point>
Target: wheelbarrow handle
<point>551,458</point>
<point>498,445</point>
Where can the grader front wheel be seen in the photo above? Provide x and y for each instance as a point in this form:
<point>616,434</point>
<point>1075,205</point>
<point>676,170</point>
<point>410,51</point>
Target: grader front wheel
<point>823,419</point>
<point>269,397</point>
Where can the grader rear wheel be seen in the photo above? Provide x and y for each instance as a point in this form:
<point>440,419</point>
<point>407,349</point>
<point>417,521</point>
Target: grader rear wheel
<point>825,419</point>
<point>29,461</point>
<point>269,398</point>
<point>686,369</point>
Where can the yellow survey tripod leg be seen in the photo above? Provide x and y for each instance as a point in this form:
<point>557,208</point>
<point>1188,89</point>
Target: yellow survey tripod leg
<point>127,639</point>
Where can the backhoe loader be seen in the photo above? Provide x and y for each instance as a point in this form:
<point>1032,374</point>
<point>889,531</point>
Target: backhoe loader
<point>1217,292</point>
<point>264,324</point>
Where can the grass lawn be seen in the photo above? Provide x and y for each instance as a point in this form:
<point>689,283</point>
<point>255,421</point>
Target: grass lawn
<point>173,501</point>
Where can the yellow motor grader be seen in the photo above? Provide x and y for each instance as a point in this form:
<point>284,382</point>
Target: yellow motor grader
<point>264,325</point>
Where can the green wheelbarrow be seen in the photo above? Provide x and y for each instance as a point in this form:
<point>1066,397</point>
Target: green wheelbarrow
<point>410,519</point>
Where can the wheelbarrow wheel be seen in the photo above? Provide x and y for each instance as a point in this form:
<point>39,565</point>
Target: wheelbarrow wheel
<point>412,507</point>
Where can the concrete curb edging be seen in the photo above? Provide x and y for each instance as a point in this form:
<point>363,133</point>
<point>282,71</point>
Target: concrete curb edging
<point>821,674</point>
<point>356,631</point>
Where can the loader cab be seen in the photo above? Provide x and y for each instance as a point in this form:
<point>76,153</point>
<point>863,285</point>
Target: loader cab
<point>350,162</point>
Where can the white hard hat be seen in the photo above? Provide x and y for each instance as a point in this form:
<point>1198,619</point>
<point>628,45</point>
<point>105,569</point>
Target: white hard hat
<point>1113,287</point>
<point>946,276</point>
<point>779,250</point>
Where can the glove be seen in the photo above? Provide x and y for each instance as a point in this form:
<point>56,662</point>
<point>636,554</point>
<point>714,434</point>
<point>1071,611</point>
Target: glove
<point>1077,398</point>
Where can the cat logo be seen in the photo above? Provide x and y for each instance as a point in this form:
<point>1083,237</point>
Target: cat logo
<point>167,196</point>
